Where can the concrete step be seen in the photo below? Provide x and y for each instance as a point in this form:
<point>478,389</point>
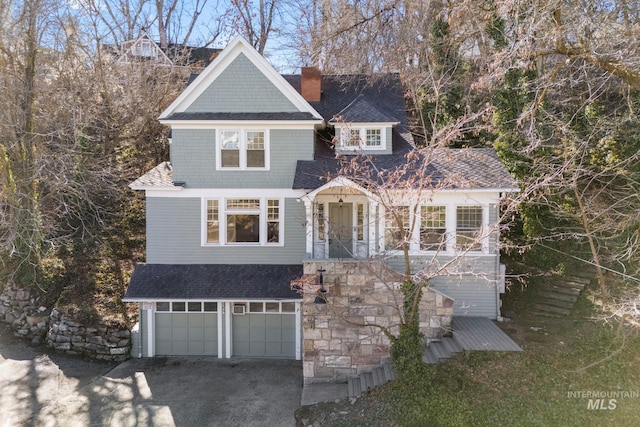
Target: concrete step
<point>388,371</point>
<point>366,381</point>
<point>379,378</point>
<point>355,390</point>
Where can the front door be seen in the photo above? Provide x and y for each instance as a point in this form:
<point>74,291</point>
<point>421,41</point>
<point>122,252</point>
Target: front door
<point>340,230</point>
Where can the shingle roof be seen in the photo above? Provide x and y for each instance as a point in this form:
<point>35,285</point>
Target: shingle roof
<point>442,168</point>
<point>383,91</point>
<point>212,281</point>
<point>242,116</point>
<point>160,176</point>
<point>361,111</point>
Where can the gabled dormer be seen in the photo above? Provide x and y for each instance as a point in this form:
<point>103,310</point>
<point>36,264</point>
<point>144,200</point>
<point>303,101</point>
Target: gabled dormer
<point>360,126</point>
<point>143,49</point>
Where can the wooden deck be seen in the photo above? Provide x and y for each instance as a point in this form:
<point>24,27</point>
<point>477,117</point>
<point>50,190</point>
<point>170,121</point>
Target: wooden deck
<point>480,333</point>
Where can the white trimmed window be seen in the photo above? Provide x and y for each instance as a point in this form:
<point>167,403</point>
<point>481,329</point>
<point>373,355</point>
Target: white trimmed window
<point>242,149</point>
<point>469,228</point>
<point>362,137</point>
<point>246,221</point>
<point>396,227</point>
<point>433,228</point>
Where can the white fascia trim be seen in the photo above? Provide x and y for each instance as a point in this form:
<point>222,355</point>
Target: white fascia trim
<point>275,193</point>
<point>237,46</point>
<point>354,125</point>
<point>157,188</point>
<point>238,300</point>
<point>214,124</point>
<point>480,190</point>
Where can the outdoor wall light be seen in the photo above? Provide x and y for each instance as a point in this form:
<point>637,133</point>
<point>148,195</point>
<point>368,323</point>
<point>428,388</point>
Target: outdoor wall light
<point>321,297</point>
<point>340,203</point>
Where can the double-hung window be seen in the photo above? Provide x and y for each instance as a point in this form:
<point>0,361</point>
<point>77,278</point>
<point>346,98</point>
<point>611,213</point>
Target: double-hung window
<point>469,228</point>
<point>396,227</point>
<point>243,221</point>
<point>243,149</point>
<point>433,228</point>
<point>359,137</point>
<point>373,138</point>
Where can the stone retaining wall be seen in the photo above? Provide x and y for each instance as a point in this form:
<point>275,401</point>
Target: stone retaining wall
<point>20,309</point>
<point>340,337</point>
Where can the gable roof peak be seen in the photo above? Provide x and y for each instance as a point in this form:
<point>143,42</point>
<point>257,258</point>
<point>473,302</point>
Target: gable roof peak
<point>238,46</point>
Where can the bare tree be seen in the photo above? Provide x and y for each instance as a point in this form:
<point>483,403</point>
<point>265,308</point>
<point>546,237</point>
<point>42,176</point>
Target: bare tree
<point>255,20</point>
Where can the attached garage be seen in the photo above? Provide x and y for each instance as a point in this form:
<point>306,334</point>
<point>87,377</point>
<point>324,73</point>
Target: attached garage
<point>267,329</point>
<point>217,310</point>
<point>184,329</point>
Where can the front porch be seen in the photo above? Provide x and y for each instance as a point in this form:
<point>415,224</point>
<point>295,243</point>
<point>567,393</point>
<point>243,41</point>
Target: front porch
<point>341,222</point>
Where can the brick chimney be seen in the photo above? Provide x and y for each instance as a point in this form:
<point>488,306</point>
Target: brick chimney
<point>311,84</point>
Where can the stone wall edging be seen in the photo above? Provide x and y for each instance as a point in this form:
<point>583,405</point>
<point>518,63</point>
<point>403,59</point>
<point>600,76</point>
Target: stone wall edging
<point>19,309</point>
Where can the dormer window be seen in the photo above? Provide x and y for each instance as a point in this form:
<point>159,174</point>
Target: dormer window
<point>373,137</point>
<point>363,137</point>
<point>144,49</point>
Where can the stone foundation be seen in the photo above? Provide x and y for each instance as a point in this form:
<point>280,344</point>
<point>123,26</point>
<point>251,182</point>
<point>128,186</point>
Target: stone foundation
<point>20,309</point>
<point>344,337</point>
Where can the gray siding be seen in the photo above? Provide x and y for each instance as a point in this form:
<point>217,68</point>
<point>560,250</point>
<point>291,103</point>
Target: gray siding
<point>174,236</point>
<point>471,282</point>
<point>193,157</point>
<point>473,296</point>
<point>241,88</point>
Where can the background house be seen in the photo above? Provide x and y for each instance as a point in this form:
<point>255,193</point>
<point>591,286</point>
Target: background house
<point>255,197</point>
<point>144,50</point>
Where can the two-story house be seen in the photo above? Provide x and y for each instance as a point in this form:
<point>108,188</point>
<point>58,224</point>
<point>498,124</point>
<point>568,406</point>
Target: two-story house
<point>254,191</point>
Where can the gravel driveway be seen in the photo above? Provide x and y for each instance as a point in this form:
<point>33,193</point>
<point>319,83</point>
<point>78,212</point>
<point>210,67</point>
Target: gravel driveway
<point>40,389</point>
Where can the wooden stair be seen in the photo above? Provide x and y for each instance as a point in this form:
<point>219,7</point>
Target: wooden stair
<point>557,296</point>
<point>438,351</point>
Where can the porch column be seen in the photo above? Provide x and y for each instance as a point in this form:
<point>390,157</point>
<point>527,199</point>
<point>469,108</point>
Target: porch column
<point>373,225</point>
<point>308,207</point>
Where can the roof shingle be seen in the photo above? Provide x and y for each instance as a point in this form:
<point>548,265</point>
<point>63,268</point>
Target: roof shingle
<point>212,281</point>
<point>160,176</point>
